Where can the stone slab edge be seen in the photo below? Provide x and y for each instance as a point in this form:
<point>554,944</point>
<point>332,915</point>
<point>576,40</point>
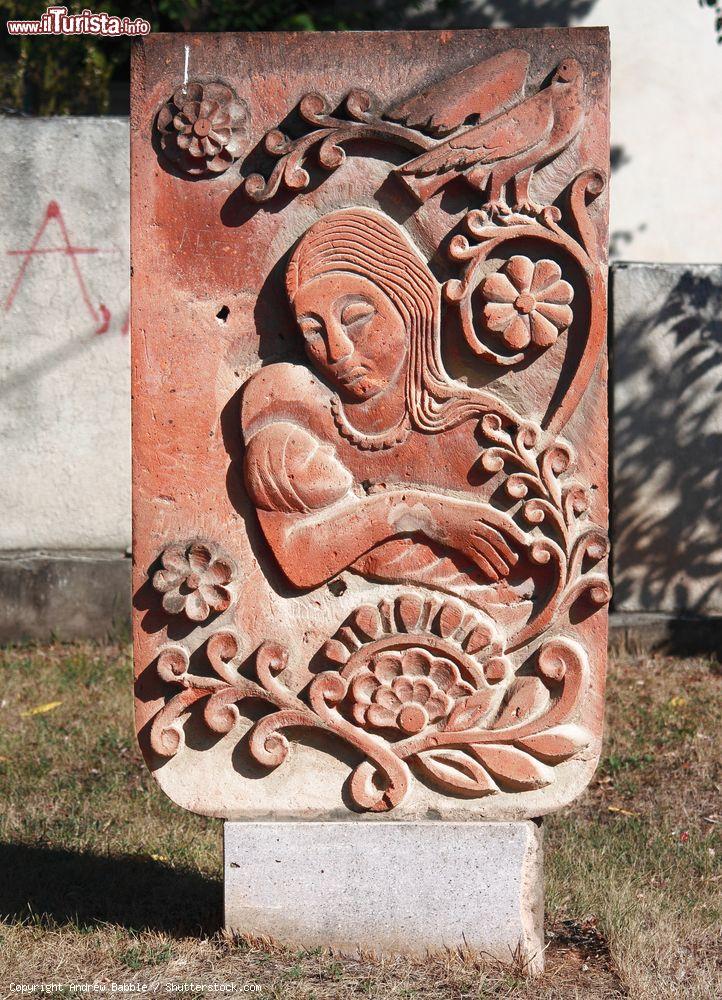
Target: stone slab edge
<point>385,887</point>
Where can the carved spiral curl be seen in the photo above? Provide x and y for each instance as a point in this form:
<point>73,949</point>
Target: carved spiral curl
<point>172,664</point>
<point>269,746</point>
<point>167,741</point>
<point>557,460</point>
<point>258,189</point>
<point>366,793</point>
<point>517,488</point>
<point>552,661</point>
<point>313,106</point>
<point>358,104</point>
<point>276,143</point>
<point>330,154</point>
<point>221,711</point>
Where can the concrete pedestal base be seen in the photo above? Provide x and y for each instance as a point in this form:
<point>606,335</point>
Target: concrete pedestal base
<point>401,887</point>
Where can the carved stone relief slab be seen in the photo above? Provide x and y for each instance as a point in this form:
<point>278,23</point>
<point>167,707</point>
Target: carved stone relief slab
<point>370,426</point>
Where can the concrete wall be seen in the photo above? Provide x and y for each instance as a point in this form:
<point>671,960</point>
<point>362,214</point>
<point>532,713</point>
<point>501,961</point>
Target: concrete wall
<point>667,437</point>
<point>64,371</point>
<point>64,378</point>
<point>666,127</point>
<point>64,359</point>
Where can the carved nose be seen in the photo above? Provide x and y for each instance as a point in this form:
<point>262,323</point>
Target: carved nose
<point>339,344</point>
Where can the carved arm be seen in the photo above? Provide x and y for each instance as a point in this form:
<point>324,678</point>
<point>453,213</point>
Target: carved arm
<point>313,548</point>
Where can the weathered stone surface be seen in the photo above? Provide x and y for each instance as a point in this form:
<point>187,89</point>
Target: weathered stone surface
<point>64,595</point>
<point>667,437</point>
<point>65,375</point>
<point>389,887</point>
<point>370,422</point>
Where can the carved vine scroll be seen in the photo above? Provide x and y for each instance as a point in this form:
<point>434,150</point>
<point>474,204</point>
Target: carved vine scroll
<point>409,697</point>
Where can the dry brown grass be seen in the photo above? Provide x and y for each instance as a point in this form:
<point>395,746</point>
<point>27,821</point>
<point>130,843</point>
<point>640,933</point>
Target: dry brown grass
<point>104,880</point>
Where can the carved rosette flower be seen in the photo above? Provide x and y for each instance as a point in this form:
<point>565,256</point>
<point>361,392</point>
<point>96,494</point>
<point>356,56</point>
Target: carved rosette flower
<point>201,128</point>
<point>406,690</point>
<point>194,580</point>
<point>527,303</point>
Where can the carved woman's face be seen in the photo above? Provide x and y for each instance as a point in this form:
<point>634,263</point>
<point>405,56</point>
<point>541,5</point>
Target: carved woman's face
<point>354,334</point>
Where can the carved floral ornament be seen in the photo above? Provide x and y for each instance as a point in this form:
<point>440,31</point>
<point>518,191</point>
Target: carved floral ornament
<point>475,735</point>
<point>527,303</point>
<point>195,579</point>
<point>471,679</point>
<point>202,128</point>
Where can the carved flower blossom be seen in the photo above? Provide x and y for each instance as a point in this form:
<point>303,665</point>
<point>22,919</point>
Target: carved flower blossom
<point>527,302</point>
<point>201,128</point>
<point>406,690</point>
<point>194,580</point>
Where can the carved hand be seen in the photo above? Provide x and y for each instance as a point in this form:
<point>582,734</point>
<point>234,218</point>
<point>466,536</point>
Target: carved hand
<point>473,529</point>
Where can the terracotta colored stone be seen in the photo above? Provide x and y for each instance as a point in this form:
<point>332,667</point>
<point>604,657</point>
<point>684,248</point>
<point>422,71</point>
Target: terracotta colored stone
<point>370,424</point>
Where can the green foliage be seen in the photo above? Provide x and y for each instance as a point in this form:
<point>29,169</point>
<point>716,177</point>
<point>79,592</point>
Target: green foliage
<point>53,76</point>
<point>56,75</point>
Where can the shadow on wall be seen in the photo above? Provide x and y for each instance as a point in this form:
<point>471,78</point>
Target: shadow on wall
<point>667,438</point>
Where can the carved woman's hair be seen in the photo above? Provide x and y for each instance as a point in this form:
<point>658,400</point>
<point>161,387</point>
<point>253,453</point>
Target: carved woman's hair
<point>364,242</point>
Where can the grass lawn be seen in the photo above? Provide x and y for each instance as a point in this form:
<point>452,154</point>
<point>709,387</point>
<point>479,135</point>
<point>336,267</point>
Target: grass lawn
<point>103,879</point>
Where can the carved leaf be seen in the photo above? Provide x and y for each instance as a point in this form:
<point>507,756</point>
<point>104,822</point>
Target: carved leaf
<point>469,712</point>
<point>513,767</point>
<point>409,608</point>
<point>449,619</point>
<point>477,640</point>
<point>367,622</point>
<point>527,699</point>
<point>456,771</point>
<point>557,744</point>
<point>335,652</point>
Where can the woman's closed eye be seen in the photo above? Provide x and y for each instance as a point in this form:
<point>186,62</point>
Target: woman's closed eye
<point>311,328</point>
<point>357,313</point>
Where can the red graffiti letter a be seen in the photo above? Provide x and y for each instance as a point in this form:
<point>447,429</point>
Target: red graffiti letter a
<point>101,315</point>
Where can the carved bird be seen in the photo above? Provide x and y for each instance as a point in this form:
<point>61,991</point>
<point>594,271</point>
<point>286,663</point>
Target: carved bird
<point>482,91</point>
<point>509,147</point>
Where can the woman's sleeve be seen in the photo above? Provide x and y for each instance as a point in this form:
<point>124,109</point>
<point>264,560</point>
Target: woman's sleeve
<point>289,470</point>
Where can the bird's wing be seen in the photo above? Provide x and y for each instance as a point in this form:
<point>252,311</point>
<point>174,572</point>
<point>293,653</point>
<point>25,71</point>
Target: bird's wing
<point>485,89</point>
<point>510,134</point>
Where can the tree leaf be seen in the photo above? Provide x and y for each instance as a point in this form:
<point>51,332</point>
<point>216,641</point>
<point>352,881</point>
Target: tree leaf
<point>40,709</point>
<point>556,744</point>
<point>512,767</point>
<point>469,711</point>
<point>456,771</point>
